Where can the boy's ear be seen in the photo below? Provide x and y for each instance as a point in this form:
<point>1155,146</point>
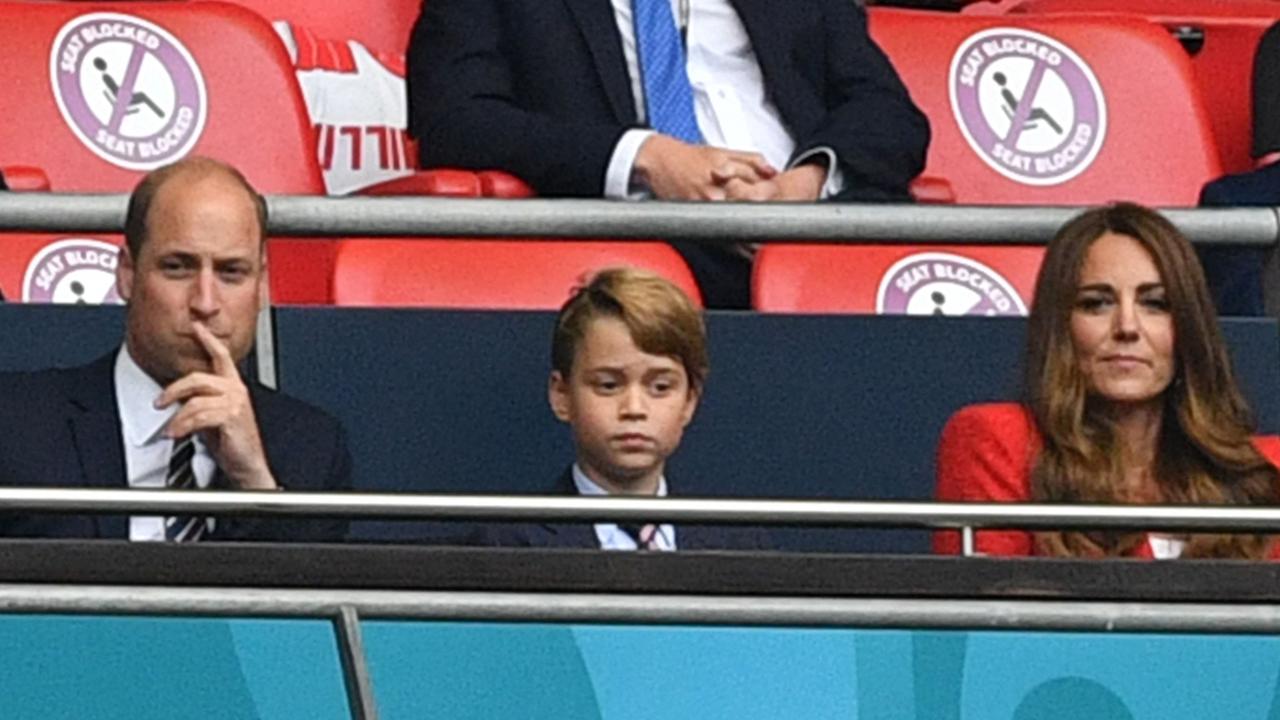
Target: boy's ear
<point>690,406</point>
<point>558,396</point>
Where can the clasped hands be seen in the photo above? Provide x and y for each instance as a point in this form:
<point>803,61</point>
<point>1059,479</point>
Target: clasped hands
<point>216,405</point>
<point>675,170</point>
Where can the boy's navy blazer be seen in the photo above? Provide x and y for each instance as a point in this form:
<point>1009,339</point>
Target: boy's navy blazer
<point>583,535</point>
<point>61,428</point>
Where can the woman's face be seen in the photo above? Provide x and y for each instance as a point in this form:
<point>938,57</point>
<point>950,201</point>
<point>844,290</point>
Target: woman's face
<point>1121,325</point>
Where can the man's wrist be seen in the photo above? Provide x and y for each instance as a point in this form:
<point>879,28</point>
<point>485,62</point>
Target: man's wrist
<point>803,182</point>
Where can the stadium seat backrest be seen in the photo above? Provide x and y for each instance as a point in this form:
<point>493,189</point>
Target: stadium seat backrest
<point>1053,110</point>
<point>97,94</point>
<point>63,269</point>
<point>497,274</point>
<point>1155,9</point>
<point>896,279</point>
<point>1223,58</point>
<point>381,25</point>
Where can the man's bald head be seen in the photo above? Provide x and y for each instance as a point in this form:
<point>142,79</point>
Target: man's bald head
<point>184,171</point>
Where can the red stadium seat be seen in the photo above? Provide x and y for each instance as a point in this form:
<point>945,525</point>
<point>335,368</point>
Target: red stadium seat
<point>40,268</point>
<point>1223,60</point>
<point>1115,112</point>
<point>487,274</point>
<point>381,25</point>
<point>24,178</point>
<point>202,78</point>
<point>895,279</point>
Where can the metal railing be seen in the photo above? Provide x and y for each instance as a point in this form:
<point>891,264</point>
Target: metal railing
<point>309,216</point>
<point>966,517</point>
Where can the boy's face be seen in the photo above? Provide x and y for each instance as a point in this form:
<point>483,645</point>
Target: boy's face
<point>627,408</point>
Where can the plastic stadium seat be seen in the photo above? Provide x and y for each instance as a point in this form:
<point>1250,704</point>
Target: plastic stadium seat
<point>896,279</point>
<point>498,184</point>
<point>382,25</point>
<point>1113,110</point>
<point>487,274</point>
<point>41,268</point>
<point>439,183</point>
<point>97,94</point>
<point>23,178</point>
<point>1223,58</point>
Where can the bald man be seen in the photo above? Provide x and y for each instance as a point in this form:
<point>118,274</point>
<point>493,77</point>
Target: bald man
<point>170,408</point>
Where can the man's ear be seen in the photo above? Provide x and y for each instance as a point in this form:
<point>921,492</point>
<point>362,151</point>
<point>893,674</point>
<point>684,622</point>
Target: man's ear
<point>558,396</point>
<point>264,284</point>
<point>125,271</point>
<point>690,406</point>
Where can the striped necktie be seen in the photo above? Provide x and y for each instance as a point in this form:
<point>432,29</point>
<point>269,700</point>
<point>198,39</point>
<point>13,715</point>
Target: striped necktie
<point>645,536</point>
<point>182,476</point>
<point>668,94</point>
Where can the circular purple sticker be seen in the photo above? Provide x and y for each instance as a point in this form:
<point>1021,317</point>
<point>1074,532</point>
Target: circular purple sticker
<point>128,89</point>
<point>945,284</point>
<point>1028,105</point>
<point>73,271</point>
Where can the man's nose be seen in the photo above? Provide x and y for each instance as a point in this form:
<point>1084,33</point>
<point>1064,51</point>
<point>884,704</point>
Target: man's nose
<point>205,299</point>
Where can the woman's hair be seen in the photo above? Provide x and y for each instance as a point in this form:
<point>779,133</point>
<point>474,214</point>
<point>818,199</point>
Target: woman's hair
<point>1205,455</point>
<point>661,318</point>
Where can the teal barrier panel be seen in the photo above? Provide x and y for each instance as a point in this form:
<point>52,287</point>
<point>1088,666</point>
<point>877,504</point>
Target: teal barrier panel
<point>611,672</point>
<point>106,667</point>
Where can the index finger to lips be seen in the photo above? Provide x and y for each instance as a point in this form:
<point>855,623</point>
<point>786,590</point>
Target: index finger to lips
<point>222,363</point>
<point>186,387</point>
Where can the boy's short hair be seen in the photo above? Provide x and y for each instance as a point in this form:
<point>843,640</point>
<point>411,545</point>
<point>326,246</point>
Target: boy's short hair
<point>661,318</point>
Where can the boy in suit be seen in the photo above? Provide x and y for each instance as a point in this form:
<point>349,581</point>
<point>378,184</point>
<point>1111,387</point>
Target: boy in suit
<point>629,359</point>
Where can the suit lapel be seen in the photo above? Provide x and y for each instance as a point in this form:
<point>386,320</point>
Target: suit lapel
<point>566,535</point>
<point>600,30</point>
<point>95,429</point>
<point>769,27</point>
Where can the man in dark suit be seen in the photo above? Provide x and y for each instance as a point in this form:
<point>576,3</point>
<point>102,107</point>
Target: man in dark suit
<point>170,408</point>
<point>1235,274</point>
<point>792,102</point>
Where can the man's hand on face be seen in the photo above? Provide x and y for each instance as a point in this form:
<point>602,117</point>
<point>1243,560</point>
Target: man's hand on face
<point>675,170</point>
<point>216,405</point>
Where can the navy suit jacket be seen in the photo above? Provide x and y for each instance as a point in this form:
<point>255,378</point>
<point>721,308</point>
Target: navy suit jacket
<point>1235,274</point>
<point>540,88</point>
<point>569,535</point>
<point>61,428</point>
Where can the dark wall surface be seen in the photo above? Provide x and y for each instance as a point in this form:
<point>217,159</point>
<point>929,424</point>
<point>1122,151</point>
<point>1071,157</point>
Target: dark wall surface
<point>795,406</point>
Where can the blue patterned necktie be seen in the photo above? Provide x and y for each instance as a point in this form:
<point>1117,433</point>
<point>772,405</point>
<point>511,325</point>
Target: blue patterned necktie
<point>668,95</point>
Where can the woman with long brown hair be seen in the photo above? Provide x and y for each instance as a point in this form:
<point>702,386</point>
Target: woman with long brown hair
<point>1130,398</point>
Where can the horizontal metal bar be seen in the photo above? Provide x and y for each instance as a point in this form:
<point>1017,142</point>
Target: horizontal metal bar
<point>309,216</point>
<point>646,609</point>
<point>682,510</point>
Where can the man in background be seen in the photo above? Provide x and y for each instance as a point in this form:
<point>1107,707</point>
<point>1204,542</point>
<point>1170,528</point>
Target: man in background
<point>1235,275</point>
<point>169,408</point>
<point>669,99</point>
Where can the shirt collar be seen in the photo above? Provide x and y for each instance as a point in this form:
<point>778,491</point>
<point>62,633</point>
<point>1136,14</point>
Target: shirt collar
<point>587,487</point>
<point>136,393</point>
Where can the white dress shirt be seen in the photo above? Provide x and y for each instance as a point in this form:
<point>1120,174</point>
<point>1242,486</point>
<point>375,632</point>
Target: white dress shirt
<point>146,449</point>
<point>1165,547</point>
<point>732,106</point>
<point>612,537</point>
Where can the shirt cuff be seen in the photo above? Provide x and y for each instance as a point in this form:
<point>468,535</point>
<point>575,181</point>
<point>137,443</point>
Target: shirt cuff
<point>618,184</point>
<point>835,176</point>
